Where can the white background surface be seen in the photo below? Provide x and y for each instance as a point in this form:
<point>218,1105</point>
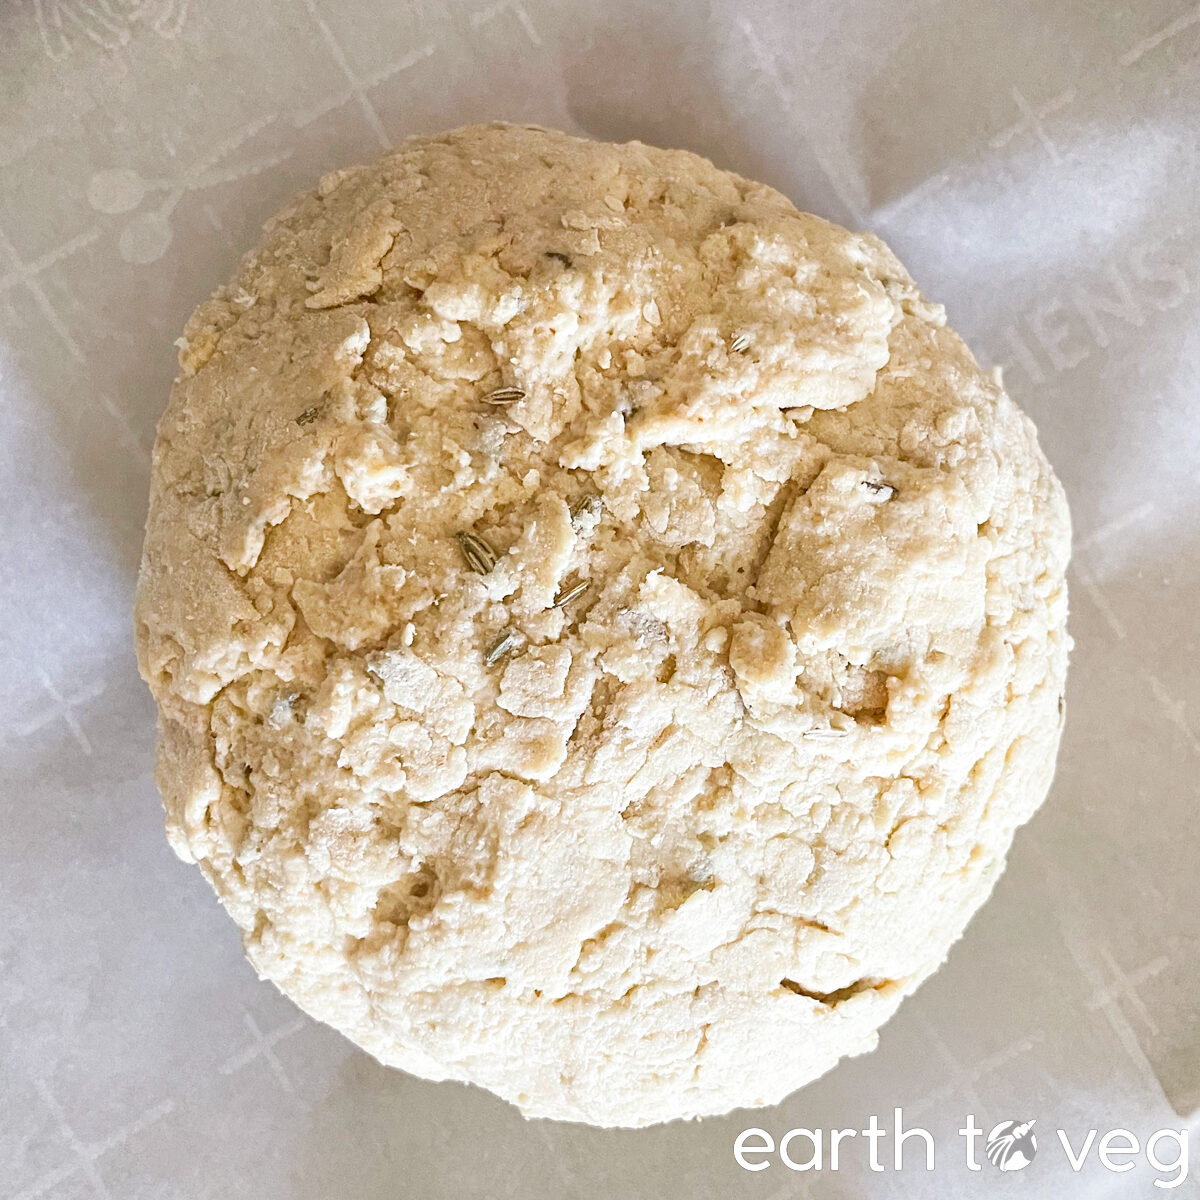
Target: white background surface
<point>1034,163</point>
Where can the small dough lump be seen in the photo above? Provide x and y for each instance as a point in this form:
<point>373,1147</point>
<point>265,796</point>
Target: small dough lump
<point>606,629</point>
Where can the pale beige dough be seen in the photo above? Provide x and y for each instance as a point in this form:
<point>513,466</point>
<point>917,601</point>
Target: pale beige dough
<point>683,841</point>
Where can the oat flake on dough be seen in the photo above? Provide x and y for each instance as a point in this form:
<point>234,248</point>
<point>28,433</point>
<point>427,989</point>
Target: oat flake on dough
<point>678,842</point>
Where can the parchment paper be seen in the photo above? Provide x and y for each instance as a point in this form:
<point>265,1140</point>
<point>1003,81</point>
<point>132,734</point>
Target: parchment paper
<point>1034,163</point>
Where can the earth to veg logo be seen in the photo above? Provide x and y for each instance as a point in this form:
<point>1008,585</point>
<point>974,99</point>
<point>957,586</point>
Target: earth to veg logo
<point>1011,1146</point>
<point>1008,1146</point>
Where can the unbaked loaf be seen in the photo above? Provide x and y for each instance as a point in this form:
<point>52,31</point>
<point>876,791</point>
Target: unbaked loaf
<point>606,628</point>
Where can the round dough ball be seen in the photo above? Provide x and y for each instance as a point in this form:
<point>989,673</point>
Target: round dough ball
<point>606,628</point>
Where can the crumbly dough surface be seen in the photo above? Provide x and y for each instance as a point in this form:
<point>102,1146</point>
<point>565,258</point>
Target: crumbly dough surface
<point>679,841</point>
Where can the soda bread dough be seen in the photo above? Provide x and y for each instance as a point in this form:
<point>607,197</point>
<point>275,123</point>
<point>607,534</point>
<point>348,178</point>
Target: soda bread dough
<point>684,840</point>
